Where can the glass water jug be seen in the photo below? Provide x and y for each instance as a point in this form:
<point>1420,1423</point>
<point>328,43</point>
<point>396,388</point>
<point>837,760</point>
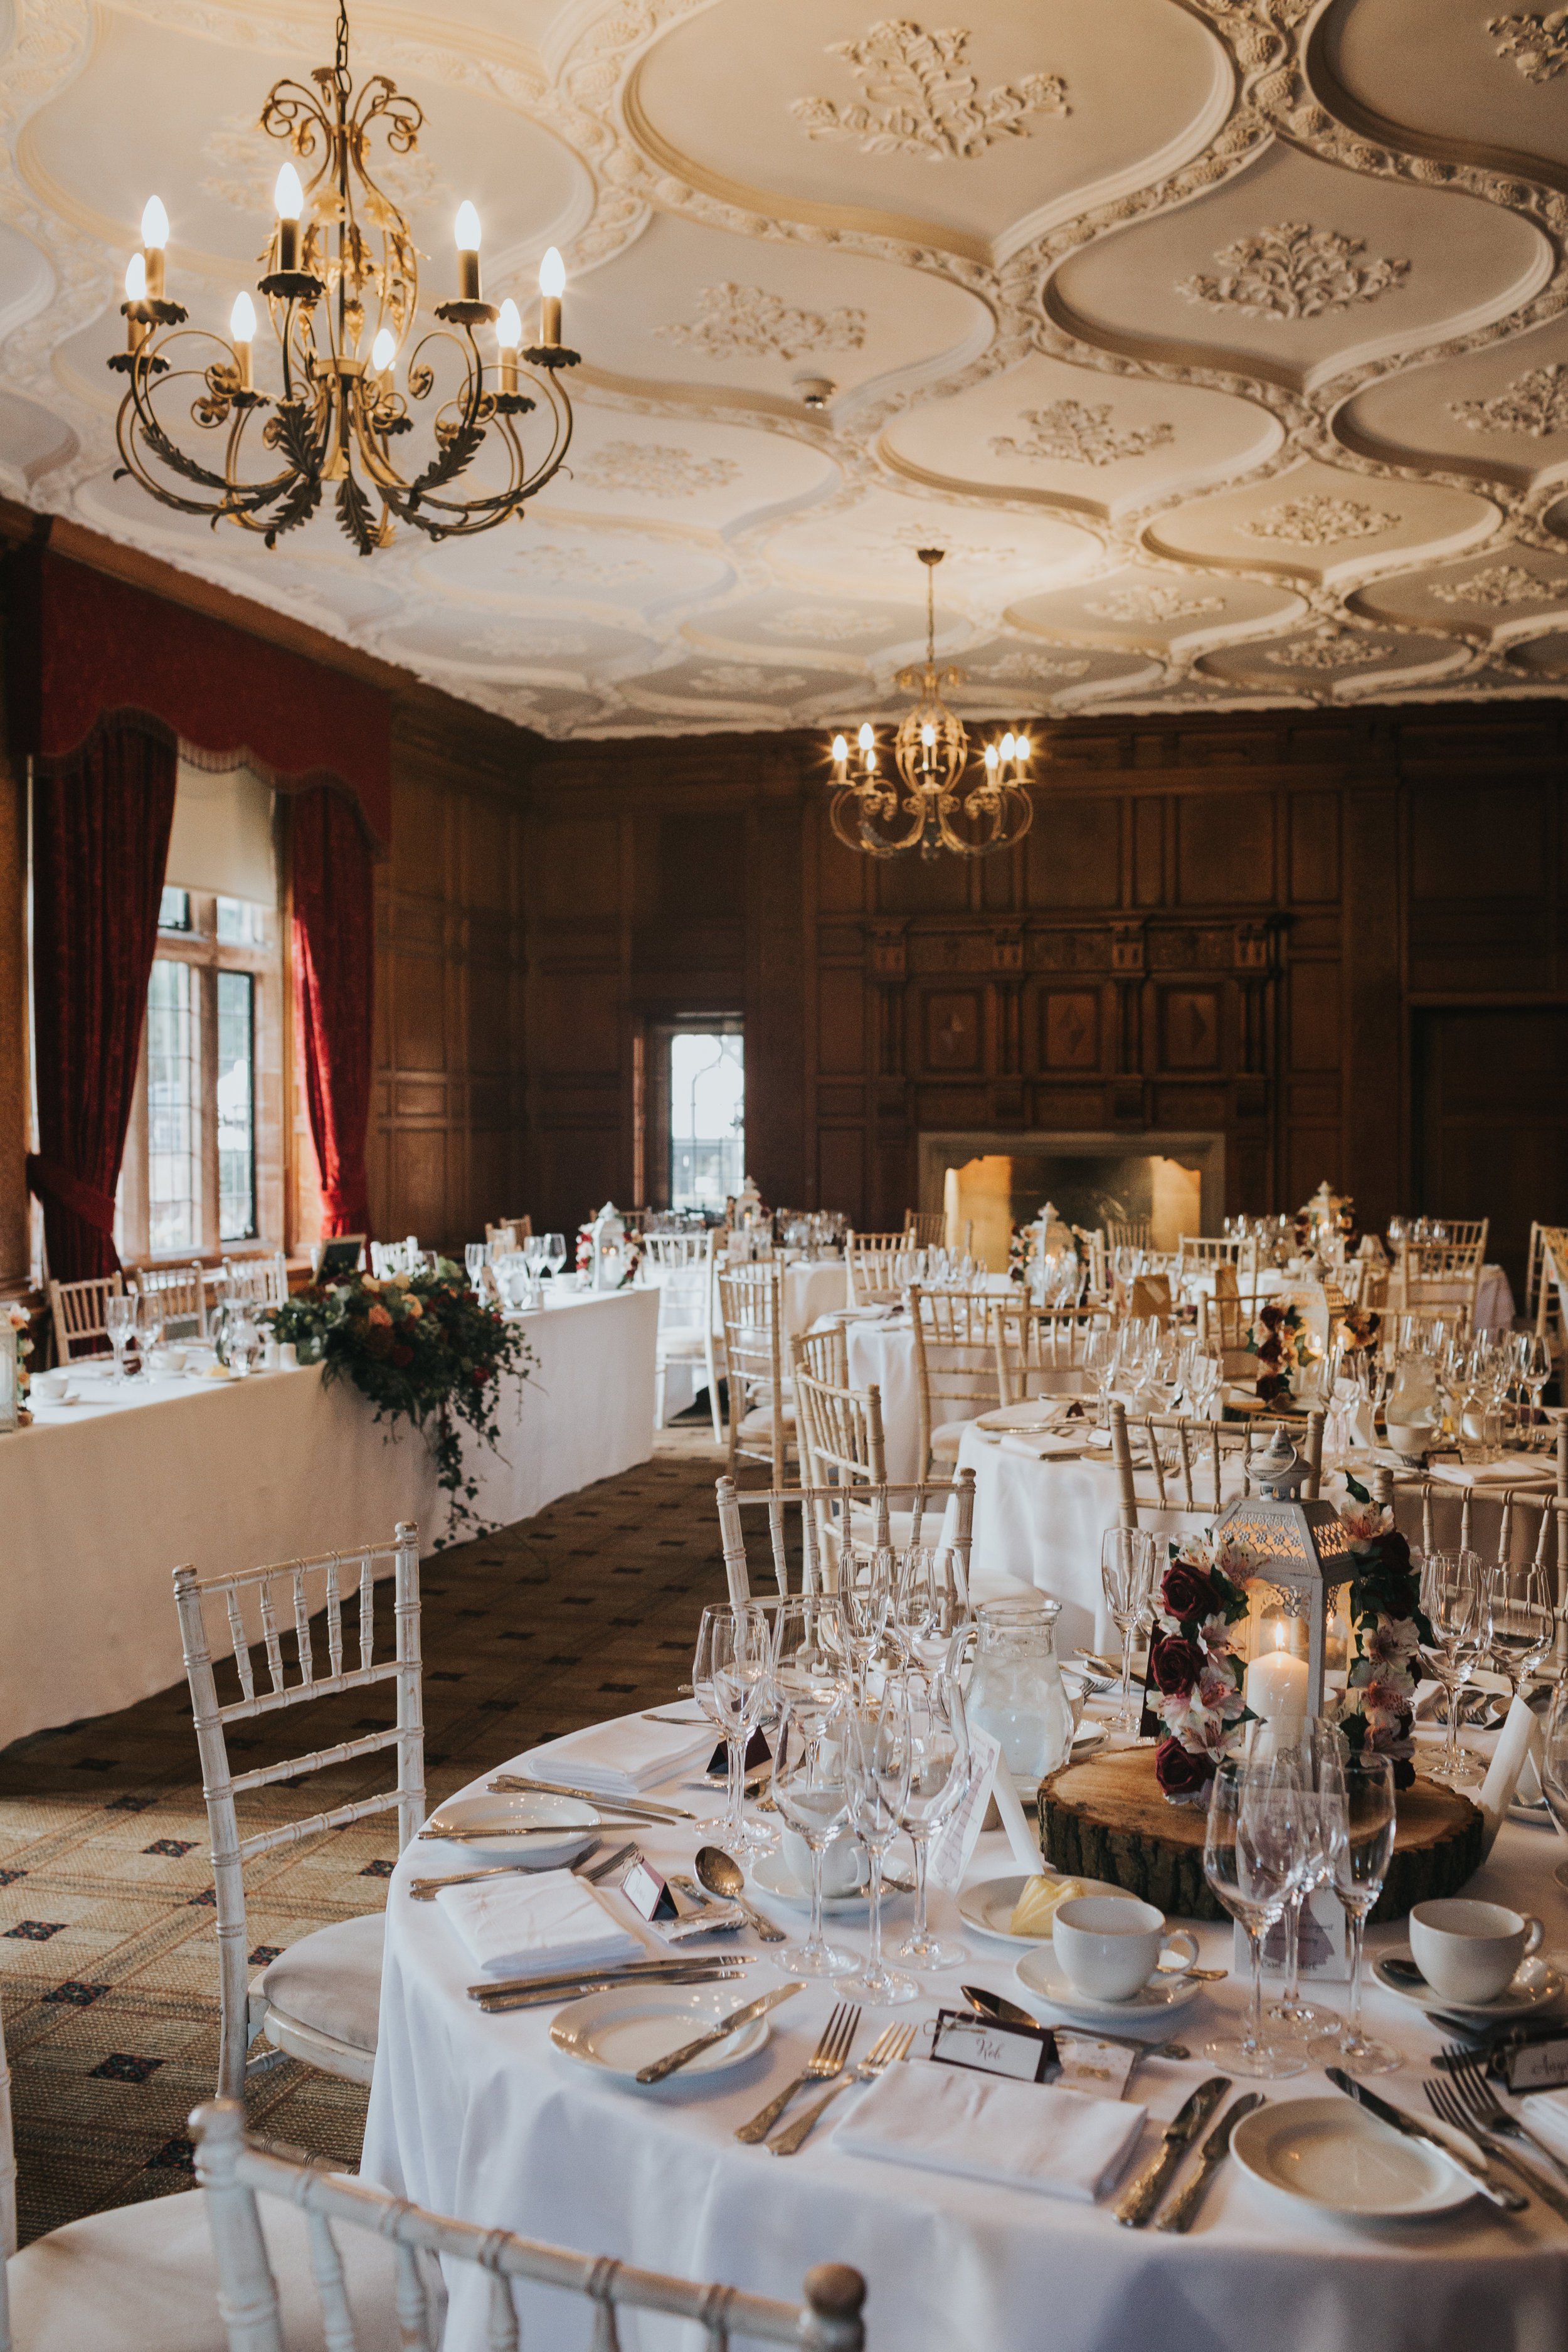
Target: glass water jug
<point>1015,1689</point>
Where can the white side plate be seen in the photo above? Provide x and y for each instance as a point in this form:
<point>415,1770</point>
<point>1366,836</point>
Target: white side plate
<point>1332,2155</point>
<point>498,1819</point>
<point>988,1906</point>
<point>621,2031</point>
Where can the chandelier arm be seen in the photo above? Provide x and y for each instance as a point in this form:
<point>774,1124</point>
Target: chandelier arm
<point>139,419</point>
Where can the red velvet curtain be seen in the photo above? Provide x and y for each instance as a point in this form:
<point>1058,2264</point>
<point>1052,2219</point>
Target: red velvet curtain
<point>100,838</point>
<point>334,974</point>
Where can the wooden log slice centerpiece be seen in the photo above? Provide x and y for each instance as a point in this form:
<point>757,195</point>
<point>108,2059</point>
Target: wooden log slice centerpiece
<point>1108,1819</point>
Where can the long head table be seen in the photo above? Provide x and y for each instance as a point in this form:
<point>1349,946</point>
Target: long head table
<point>480,2117</point>
<point>100,1502</point>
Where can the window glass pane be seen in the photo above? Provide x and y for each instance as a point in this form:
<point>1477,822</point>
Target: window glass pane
<point>240,924</point>
<point>707,1120</point>
<point>174,910</point>
<point>236,1102</point>
<point>174,1109</point>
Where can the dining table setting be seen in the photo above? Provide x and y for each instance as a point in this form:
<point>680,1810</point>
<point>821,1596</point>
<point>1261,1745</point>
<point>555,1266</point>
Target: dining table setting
<point>775,1973</point>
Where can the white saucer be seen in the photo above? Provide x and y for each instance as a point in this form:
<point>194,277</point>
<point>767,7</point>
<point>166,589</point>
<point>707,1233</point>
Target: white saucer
<point>1161,1997</point>
<point>988,1904</point>
<point>1332,2155</point>
<point>621,2031</point>
<point>1535,1983</point>
<point>773,1874</point>
<point>499,1818</point>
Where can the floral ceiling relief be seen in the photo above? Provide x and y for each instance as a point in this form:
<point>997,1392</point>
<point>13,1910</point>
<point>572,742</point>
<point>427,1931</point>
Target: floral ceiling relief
<point>1154,605</point>
<point>920,97</point>
<point>1025,670</point>
<point>1535,404</point>
<point>1294,271</point>
<point>1537,45</point>
<point>1319,522</point>
<point>1066,432</point>
<point>747,320</point>
<point>658,471</point>
<point>1339,650</point>
<point>1500,583</point>
<point>820,625</point>
<point>750,678</point>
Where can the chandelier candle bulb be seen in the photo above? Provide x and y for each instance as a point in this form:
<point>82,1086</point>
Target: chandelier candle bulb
<point>468,236</point>
<point>154,237</point>
<point>136,330</point>
<point>382,352</point>
<point>840,760</point>
<point>509,335</point>
<point>289,199</point>
<point>551,286</point>
<point>242,334</point>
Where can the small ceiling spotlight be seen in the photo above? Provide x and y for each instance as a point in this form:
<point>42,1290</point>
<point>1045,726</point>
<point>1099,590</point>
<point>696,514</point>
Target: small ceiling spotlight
<point>816,391</point>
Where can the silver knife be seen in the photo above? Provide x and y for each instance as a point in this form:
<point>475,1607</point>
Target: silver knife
<point>557,1996</point>
<point>1137,2202</point>
<point>720,2033</point>
<point>624,1972</point>
<point>1508,2198</point>
<point>513,1784</point>
<point>1181,2214</point>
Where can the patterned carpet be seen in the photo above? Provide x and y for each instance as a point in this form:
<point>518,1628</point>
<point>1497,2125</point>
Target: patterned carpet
<point>108,1953</point>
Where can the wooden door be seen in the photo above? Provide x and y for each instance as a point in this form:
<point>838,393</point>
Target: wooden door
<point>1491,1123</point>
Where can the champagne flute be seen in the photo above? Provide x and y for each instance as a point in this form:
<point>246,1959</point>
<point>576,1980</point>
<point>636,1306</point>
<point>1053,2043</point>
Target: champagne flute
<point>1362,1850</point>
<point>1099,1354</point>
<point>878,1757</point>
<point>1127,1580</point>
<point>554,1253</point>
<point>813,1797</point>
<point>1254,1856</point>
<point>866,1597</point>
<point>118,1322</point>
<point>149,1324</point>
<point>1452,1595</point>
<point>474,1257</point>
<point>1523,1620</point>
<point>727,1678</point>
<point>938,1774</point>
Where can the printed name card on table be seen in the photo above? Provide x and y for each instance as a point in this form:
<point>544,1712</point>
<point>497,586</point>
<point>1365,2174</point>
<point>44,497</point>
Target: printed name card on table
<point>1323,1945</point>
<point>646,1893</point>
<point>1026,2054</point>
<point>955,1844</point>
<point>758,1753</point>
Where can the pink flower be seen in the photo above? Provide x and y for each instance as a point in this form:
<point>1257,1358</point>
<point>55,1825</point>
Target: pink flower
<point>1364,1523</point>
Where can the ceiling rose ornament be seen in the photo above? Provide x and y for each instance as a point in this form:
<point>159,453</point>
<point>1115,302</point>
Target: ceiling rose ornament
<point>1538,45</point>
<point>1070,434</point>
<point>1294,271</point>
<point>1499,583</point>
<point>924,98</point>
<point>1319,522</point>
<point>747,321</point>
<point>656,468</point>
<point>1336,649</point>
<point>926,806</point>
<point>1536,404</point>
<point>1154,605</point>
<point>341,291</point>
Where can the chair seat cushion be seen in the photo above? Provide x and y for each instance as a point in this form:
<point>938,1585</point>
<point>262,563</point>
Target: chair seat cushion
<point>143,2278</point>
<point>760,1422</point>
<point>332,1980</point>
<point>946,1438</point>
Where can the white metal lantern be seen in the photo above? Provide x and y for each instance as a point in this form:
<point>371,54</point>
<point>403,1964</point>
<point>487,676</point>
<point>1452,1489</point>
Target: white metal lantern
<point>1301,1549</point>
<point>608,1266</point>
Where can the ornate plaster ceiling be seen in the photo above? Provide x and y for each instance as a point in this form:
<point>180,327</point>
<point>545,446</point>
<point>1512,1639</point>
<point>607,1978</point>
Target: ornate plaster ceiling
<point>1223,343</point>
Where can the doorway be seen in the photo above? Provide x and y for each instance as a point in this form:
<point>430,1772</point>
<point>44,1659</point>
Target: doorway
<point>697,1114</point>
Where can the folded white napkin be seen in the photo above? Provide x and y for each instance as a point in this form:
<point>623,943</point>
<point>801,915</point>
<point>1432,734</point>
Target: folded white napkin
<point>531,1926</point>
<point>1513,1470</point>
<point>1546,2111</point>
<point>1520,1732</point>
<point>619,1759</point>
<point>1019,2134</point>
<point>1044,1449</point>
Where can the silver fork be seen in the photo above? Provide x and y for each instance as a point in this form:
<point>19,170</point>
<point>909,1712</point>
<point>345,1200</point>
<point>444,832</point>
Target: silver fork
<point>825,2061</point>
<point>1446,2106</point>
<point>891,2044</point>
<point>1475,2095</point>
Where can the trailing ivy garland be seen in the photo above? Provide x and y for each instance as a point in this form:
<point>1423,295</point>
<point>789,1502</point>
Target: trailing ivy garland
<point>422,1348</point>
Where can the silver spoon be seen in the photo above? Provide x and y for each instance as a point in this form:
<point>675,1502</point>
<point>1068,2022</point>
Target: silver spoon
<point>721,1875</point>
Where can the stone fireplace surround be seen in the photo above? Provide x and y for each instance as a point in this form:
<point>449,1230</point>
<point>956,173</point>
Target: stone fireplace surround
<point>943,1149</point>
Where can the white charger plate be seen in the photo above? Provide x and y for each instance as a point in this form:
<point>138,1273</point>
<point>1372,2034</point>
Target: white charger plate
<point>620,2032</point>
<point>1535,1982</point>
<point>1039,1972</point>
<point>499,1818</point>
<point>1330,2155</point>
<point>989,1904</point>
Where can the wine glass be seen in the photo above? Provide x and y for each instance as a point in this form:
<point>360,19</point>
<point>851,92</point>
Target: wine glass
<point>1534,1370</point>
<point>149,1323</point>
<point>866,1597</point>
<point>1202,1381</point>
<point>1523,1620</point>
<point>727,1680</point>
<point>1127,1580</point>
<point>923,1608</point>
<point>474,1257</point>
<point>1317,1756</point>
<point>534,1253</point>
<point>879,1756</point>
<point>1453,1597</point>
<point>1363,1847</point>
<point>939,1773</point>
<point>119,1322</point>
<point>1254,1856</point>
<point>813,1797</point>
<point>554,1253</point>
<point>1100,1351</point>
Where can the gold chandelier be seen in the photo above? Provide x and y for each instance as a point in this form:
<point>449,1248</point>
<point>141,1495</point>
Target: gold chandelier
<point>341,288</point>
<point>930,750</point>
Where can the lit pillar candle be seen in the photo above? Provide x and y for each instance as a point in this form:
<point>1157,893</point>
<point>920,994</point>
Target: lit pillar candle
<point>468,236</point>
<point>508,334</point>
<point>289,198</point>
<point>135,291</point>
<point>1277,1685</point>
<point>154,237</point>
<point>242,334</point>
<point>551,286</point>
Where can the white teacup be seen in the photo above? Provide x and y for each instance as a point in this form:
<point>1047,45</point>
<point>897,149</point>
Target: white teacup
<point>168,1359</point>
<point>1468,1951</point>
<point>49,1388</point>
<point>1110,1944</point>
<point>844,1865</point>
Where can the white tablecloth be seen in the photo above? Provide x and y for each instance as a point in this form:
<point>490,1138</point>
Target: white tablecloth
<point>885,1353</point>
<point>1494,1297</point>
<point>813,1288</point>
<point>101,1504</point>
<point>481,2117</point>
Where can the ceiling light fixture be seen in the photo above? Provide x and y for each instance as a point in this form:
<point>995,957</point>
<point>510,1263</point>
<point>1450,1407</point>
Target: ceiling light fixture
<point>930,751</point>
<point>341,272</point>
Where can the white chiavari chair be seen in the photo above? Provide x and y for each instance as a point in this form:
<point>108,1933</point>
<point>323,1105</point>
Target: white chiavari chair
<point>77,1310</point>
<point>762,1409</point>
<point>262,1280</point>
<point>181,1291</point>
<point>1550,1316</point>
<point>319,1998</point>
<point>915,1511</point>
<point>1090,1243</point>
<point>1039,1350</point>
<point>1445,1273</point>
<point>1530,1527</point>
<point>1201,1256</point>
<point>683,1269</point>
<point>955,1364</point>
<point>1366,1284</point>
<point>927,1229</point>
<point>247,2179</point>
<point>1187,1459</point>
<point>840,1431</point>
<point>1129,1233</point>
<point>509,1233</point>
<point>868,1260</point>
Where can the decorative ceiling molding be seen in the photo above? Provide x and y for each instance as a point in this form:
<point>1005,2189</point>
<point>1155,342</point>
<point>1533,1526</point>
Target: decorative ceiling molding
<point>919,97</point>
<point>1294,271</point>
<point>1499,584</point>
<point>1152,604</point>
<point>1535,402</point>
<point>1068,433</point>
<point>654,470</point>
<point>1333,650</point>
<point>1537,45</point>
<point>748,319</point>
<point>1319,522</point>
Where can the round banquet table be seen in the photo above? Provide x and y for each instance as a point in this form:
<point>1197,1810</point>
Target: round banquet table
<point>480,2117</point>
<point>812,1287</point>
<point>884,1353</point>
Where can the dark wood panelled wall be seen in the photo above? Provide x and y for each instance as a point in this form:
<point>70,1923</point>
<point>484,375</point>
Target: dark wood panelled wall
<point>1336,939</point>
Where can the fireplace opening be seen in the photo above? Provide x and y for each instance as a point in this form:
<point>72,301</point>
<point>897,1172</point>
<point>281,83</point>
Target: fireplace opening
<point>995,1183</point>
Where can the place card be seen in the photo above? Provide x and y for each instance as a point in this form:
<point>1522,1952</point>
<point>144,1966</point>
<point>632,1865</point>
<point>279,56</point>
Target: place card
<point>758,1753</point>
<point>1324,1943</point>
<point>1025,2054</point>
<point>1539,2063</point>
<point>953,1847</point>
<point>647,1894</point>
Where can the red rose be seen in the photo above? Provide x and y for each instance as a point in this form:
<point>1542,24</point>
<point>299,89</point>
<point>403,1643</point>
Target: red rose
<point>481,1374</point>
<point>1176,1665</point>
<point>401,1356</point>
<point>1187,1592</point>
<point>1179,1772</point>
